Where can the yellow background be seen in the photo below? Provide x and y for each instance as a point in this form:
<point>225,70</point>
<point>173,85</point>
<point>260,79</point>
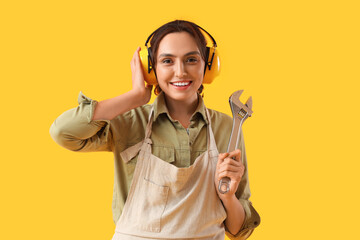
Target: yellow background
<point>298,59</point>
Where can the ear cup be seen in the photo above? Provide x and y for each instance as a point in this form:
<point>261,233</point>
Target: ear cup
<point>212,66</point>
<point>149,73</point>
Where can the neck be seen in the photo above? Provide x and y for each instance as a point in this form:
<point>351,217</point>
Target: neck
<point>182,110</point>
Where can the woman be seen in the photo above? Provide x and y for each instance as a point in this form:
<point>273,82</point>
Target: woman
<point>167,161</point>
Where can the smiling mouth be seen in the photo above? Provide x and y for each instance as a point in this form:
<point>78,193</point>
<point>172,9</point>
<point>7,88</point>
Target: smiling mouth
<point>181,84</point>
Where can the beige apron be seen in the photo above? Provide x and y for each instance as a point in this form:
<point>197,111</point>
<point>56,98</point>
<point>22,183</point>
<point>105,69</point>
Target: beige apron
<point>167,202</point>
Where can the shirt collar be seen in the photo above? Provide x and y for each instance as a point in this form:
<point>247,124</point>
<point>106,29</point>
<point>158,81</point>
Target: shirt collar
<point>160,108</point>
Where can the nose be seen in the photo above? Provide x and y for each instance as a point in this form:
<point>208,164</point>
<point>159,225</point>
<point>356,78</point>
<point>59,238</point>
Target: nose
<point>180,70</point>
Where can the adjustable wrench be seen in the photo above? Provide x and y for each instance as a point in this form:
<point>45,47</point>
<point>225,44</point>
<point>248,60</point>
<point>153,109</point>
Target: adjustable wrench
<point>240,113</point>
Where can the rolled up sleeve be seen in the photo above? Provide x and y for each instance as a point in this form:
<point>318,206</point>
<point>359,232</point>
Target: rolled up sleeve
<point>75,130</point>
<point>252,220</point>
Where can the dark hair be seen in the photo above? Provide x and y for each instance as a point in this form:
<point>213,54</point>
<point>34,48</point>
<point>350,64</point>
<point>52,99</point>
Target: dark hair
<point>174,27</point>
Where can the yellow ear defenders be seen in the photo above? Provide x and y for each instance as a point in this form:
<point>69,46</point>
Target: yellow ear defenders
<point>212,64</point>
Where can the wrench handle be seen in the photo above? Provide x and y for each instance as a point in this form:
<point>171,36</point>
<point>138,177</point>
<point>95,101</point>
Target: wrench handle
<point>224,185</point>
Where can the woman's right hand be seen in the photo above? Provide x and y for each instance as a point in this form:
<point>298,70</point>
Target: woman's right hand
<point>141,89</point>
<point>139,95</point>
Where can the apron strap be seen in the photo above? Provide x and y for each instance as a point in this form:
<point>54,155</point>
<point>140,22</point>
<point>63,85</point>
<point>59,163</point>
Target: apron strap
<point>131,152</point>
<point>149,124</point>
<point>211,143</point>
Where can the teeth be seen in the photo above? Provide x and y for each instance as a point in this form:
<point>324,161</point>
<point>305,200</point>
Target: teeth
<point>181,84</point>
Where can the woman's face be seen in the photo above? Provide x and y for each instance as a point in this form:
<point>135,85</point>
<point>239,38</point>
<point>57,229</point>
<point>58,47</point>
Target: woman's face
<point>179,67</point>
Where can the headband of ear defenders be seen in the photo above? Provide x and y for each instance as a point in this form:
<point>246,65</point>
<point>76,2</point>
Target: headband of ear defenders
<point>212,65</point>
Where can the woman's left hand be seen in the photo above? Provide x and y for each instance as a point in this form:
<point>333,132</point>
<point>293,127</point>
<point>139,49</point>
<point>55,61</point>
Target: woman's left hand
<point>229,165</point>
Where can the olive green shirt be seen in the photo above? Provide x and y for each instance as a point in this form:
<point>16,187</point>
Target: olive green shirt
<point>76,131</point>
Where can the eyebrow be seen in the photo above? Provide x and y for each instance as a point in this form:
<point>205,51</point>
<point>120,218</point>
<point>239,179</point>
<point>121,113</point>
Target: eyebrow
<point>171,55</point>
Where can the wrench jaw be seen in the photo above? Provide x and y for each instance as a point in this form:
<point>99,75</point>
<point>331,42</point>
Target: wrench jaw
<point>237,107</point>
<point>248,104</point>
<point>235,97</point>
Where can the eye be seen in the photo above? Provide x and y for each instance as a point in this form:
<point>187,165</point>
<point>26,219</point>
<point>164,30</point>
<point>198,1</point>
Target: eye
<point>166,61</point>
<point>192,60</point>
